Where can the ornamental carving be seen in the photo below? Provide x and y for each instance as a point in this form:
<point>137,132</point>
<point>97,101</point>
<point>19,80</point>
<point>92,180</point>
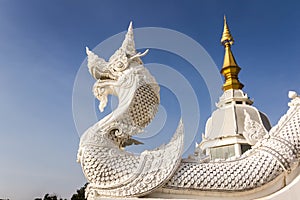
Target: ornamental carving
<point>113,172</point>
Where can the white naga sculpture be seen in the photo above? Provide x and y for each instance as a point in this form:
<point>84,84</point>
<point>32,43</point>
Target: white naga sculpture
<point>113,172</point>
<point>110,170</point>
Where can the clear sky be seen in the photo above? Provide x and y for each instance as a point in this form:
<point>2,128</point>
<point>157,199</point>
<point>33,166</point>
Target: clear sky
<point>42,46</point>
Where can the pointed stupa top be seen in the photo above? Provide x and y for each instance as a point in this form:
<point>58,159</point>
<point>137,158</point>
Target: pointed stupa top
<point>226,37</point>
<point>230,69</point>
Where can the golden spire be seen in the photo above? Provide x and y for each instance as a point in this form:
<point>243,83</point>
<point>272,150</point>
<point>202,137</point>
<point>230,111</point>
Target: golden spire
<point>230,69</point>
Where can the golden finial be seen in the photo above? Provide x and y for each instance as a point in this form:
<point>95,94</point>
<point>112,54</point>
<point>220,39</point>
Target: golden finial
<point>226,37</point>
<point>230,69</point>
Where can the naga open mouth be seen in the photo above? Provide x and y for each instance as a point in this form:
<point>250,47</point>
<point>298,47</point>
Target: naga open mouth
<point>106,76</point>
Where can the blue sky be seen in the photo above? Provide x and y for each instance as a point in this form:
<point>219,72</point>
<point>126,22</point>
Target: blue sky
<point>42,45</point>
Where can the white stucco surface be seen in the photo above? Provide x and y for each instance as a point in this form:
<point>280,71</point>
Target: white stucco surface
<point>290,192</point>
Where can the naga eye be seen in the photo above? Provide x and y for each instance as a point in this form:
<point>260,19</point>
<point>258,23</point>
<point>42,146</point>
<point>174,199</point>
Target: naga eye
<point>120,64</point>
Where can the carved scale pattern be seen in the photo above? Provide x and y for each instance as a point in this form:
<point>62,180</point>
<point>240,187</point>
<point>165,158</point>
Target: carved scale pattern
<point>153,170</point>
<point>277,152</point>
<point>141,111</point>
<point>107,167</point>
<point>143,106</point>
<point>243,174</point>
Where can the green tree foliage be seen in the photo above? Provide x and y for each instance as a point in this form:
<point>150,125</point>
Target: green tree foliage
<point>49,197</point>
<point>80,194</point>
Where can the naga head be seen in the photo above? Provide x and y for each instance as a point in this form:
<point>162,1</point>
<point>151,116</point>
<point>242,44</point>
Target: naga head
<point>108,72</point>
<point>124,76</point>
<point>122,59</point>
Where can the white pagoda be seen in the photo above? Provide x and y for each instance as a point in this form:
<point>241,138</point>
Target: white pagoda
<point>225,136</point>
